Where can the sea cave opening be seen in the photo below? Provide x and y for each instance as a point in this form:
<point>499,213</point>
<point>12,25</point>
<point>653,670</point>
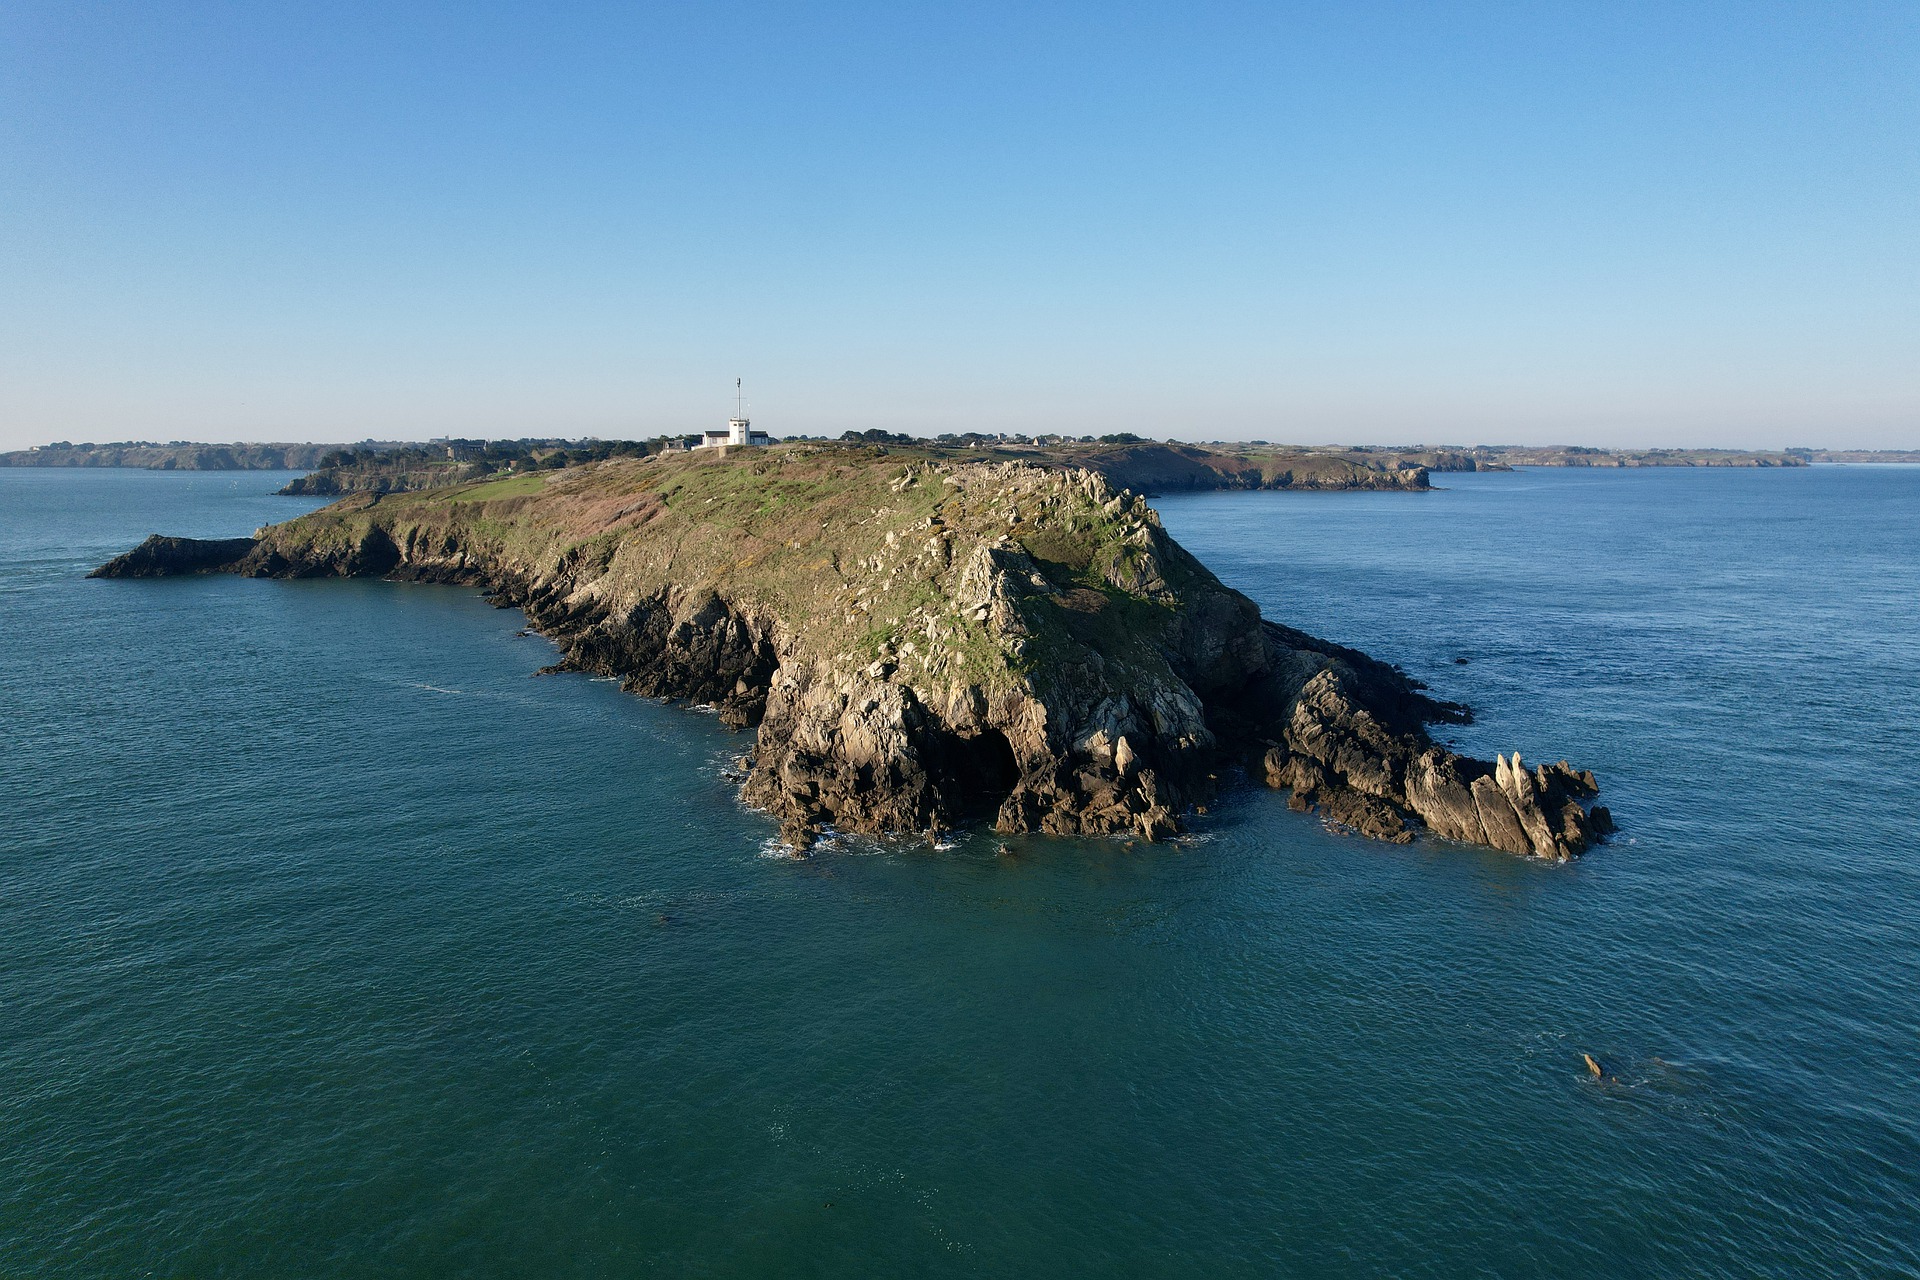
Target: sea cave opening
<point>986,771</point>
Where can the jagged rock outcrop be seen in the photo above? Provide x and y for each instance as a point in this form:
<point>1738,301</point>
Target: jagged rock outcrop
<point>163,557</point>
<point>920,646</point>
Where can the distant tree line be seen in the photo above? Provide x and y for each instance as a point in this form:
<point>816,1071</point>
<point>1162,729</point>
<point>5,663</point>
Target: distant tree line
<point>485,456</point>
<point>977,439</point>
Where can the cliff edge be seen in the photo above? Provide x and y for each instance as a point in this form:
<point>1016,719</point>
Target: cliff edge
<point>922,644</point>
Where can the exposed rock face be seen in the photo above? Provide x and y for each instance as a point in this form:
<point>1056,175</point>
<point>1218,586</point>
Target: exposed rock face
<point>924,647</point>
<point>163,557</point>
<point>688,645</point>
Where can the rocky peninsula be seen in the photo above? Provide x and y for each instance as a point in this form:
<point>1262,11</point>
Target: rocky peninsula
<point>921,643</point>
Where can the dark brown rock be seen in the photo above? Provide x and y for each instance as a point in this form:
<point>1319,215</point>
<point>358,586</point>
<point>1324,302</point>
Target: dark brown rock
<point>163,557</point>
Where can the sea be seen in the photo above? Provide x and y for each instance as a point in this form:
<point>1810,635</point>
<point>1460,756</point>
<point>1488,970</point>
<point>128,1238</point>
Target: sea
<point>336,941</point>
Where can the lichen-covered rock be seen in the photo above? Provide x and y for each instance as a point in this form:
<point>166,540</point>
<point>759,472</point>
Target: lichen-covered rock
<point>919,645</point>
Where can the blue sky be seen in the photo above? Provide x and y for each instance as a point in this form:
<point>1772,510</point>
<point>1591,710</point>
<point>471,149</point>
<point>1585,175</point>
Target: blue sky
<point>1608,223</point>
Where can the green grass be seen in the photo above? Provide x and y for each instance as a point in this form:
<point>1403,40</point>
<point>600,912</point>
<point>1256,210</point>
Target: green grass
<point>511,487</point>
<point>795,534</point>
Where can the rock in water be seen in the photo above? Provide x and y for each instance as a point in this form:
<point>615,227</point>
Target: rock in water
<point>163,557</point>
<point>918,644</point>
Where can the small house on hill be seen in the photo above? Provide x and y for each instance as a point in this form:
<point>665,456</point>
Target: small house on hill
<point>738,431</point>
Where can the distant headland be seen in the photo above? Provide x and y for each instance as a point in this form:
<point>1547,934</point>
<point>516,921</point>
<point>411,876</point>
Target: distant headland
<point>927,634</point>
<point>179,455</point>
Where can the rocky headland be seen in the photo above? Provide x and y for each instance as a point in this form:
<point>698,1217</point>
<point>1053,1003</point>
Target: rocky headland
<point>920,643</point>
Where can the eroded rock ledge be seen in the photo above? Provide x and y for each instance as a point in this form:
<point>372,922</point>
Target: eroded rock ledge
<point>924,646</point>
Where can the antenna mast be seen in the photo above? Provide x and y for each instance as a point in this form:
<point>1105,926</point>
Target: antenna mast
<point>739,404</point>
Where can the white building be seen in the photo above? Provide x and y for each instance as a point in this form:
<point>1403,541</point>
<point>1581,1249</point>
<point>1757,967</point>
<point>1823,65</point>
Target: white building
<point>739,431</point>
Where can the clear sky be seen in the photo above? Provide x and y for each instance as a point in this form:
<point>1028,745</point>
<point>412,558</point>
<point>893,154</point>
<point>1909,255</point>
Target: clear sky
<point>1606,223</point>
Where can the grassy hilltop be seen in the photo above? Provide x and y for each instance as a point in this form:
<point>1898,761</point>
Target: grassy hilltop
<point>857,542</point>
<point>1142,465</point>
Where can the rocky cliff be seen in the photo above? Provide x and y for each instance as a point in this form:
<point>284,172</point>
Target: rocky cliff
<point>920,644</point>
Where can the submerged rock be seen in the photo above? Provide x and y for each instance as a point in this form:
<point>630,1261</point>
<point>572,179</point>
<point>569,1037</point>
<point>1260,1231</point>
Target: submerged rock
<point>925,645</point>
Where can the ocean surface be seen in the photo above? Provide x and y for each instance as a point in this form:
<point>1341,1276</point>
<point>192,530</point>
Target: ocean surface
<point>334,942</point>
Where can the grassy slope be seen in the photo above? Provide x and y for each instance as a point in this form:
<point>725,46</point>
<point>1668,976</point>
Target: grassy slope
<point>859,552</point>
<point>1148,467</point>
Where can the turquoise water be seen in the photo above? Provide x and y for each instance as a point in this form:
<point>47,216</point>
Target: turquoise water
<point>335,943</point>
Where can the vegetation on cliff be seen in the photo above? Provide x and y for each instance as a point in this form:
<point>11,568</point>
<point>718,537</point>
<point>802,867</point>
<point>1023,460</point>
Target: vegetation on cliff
<point>404,468</point>
<point>922,642</point>
<point>1144,466</point>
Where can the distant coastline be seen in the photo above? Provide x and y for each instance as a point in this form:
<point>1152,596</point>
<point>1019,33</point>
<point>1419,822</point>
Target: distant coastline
<point>177,455</point>
<point>399,466</point>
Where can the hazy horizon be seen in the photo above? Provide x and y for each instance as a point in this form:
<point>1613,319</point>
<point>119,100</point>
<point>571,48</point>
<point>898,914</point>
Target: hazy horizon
<point>1623,227</point>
